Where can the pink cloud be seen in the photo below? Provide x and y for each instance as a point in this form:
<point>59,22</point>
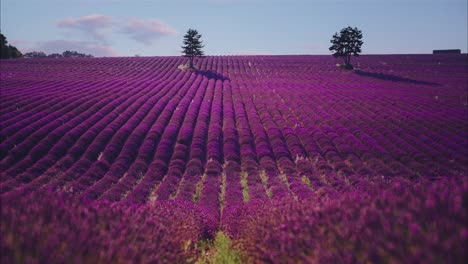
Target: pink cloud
<point>93,24</point>
<point>100,27</point>
<point>147,31</point>
<point>19,42</point>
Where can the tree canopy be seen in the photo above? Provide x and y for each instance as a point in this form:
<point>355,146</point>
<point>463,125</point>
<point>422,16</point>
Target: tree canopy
<point>65,54</point>
<point>35,54</point>
<point>192,46</point>
<point>346,44</point>
<point>8,51</point>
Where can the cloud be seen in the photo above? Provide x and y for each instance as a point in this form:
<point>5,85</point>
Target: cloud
<point>18,42</point>
<point>101,28</point>
<point>98,31</point>
<point>88,47</point>
<point>94,25</point>
<point>147,31</point>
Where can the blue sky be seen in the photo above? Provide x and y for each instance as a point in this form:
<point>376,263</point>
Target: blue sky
<point>232,27</point>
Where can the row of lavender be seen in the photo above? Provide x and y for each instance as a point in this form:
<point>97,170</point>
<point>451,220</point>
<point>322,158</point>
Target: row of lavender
<point>276,148</point>
<point>389,221</point>
<point>44,227</point>
<point>346,145</point>
<point>287,124</point>
<point>396,221</point>
<point>109,117</point>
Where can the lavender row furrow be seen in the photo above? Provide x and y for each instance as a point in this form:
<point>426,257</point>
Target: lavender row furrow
<point>20,148</point>
<point>247,151</point>
<point>50,102</point>
<point>115,192</point>
<point>83,141</point>
<point>197,157</point>
<point>165,132</point>
<point>233,193</point>
<point>209,197</point>
<point>110,152</point>
<point>89,146</point>
<point>178,161</point>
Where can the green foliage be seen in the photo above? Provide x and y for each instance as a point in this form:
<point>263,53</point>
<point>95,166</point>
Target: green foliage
<point>264,178</point>
<point>35,54</point>
<point>307,182</point>
<point>245,187</point>
<point>199,188</point>
<point>284,178</point>
<point>8,51</point>
<point>192,46</point>
<point>346,44</point>
<point>55,55</point>
<point>222,194</point>
<point>221,251</point>
<point>74,54</point>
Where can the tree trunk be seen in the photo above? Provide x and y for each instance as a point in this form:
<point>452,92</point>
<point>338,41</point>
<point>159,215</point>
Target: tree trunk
<point>191,63</point>
<point>347,60</point>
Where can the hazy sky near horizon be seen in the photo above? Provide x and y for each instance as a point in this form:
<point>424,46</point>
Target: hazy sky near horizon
<point>232,27</point>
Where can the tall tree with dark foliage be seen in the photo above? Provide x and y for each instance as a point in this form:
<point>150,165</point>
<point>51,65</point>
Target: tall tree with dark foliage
<point>192,46</point>
<point>8,51</point>
<point>346,44</point>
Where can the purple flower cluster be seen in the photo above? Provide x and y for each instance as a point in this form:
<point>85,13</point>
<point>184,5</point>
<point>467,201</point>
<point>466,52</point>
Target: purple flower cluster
<point>291,149</point>
<point>138,129</point>
<point>399,221</point>
<point>45,227</point>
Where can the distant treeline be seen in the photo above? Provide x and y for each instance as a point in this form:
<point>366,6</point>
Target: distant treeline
<point>65,54</point>
<point>10,52</point>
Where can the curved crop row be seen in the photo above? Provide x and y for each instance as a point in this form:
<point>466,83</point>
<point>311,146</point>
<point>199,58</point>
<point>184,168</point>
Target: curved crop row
<point>237,129</point>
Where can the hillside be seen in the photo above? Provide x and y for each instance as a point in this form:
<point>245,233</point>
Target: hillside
<point>240,129</point>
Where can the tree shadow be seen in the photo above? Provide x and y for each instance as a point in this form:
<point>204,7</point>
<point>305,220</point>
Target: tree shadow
<point>393,78</point>
<point>212,75</point>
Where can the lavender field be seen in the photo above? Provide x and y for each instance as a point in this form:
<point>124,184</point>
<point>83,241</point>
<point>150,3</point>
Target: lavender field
<point>290,158</point>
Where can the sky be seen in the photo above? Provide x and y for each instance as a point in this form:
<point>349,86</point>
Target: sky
<point>232,27</point>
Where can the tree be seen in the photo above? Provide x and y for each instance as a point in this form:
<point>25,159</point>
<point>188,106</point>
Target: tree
<point>192,46</point>
<point>346,44</point>
<point>75,54</point>
<point>8,51</point>
<point>55,55</point>
<point>35,54</point>
<point>65,54</point>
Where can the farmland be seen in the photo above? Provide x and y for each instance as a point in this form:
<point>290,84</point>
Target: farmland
<point>266,149</point>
